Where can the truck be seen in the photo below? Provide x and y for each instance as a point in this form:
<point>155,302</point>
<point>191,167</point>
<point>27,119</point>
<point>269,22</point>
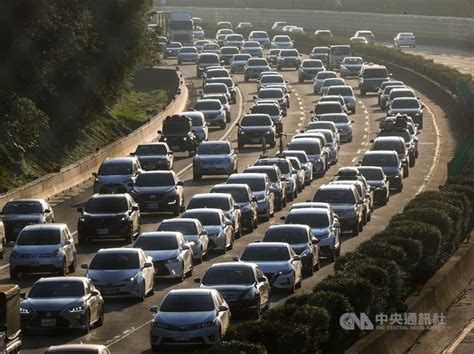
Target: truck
<point>10,322</point>
<point>179,26</point>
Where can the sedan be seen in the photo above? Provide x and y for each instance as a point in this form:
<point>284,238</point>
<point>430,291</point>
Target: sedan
<point>154,156</point>
<point>188,55</point>
<point>122,272</point>
<point>389,162</point>
<point>346,93</point>
<point>213,111</point>
<point>214,158</point>
<point>238,63</point>
<point>342,122</point>
<point>319,79</point>
<point>243,286</point>
<point>40,248</point>
<point>253,48</point>
<point>405,39</point>
<point>309,68</point>
<point>172,49</point>
<point>351,66</point>
<point>170,253</point>
<point>189,317</point>
<point>254,67</point>
<point>305,163</point>
<point>280,264</point>
<point>62,302</point>
<point>378,183</point>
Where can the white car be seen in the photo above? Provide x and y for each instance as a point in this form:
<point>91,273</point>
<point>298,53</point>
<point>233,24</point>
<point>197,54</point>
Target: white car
<point>260,37</point>
<point>404,39</point>
<point>347,94</point>
<point>282,42</point>
<point>190,317</point>
<point>198,33</point>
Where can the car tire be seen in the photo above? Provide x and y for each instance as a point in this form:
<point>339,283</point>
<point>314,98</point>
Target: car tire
<point>223,125</point>
<point>400,188</point>
<point>155,348</point>
<point>365,218</point>
<point>255,223</point>
<point>332,257</point>
<point>129,237</point>
<point>179,62</point>
<point>246,79</point>
<point>356,229</point>
<point>100,321</point>
<point>227,118</point>
<point>63,270</point>
<point>258,311</point>
<point>240,145</point>
<point>143,293</point>
<point>73,265</point>
<point>363,92</point>
<point>87,323</point>
<point>196,177</point>
<point>13,274</point>
<point>238,234</point>
<point>82,240</point>
<point>300,80</point>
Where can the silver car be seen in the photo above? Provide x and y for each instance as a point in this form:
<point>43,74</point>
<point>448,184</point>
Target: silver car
<point>313,149</point>
<point>62,302</point>
<point>198,33</point>
<point>117,175</point>
<point>287,171</point>
<point>189,317</point>
<point>288,58</point>
<point>234,40</point>
<point>309,68</point>
<point>219,230</point>
<point>342,122</point>
<point>326,125</point>
<point>405,39</point>
<point>253,48</point>
<point>199,124</point>
<point>213,111</point>
<point>304,161</point>
<point>170,253</point>
<point>319,79</point>
<point>282,42</point>
<point>40,248</point>
<point>261,37</point>
<point>299,172</point>
<point>238,63</point>
<point>331,144</point>
<point>188,55</point>
<point>327,83</point>
<point>193,232</point>
<point>214,158</point>
<point>154,156</point>
<point>122,272</point>
<point>227,54</point>
<point>346,93</point>
<point>351,66</point>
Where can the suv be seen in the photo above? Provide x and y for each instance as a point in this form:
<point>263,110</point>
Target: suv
<point>254,67</point>
<point>154,156</point>
<point>253,48</point>
<point>238,63</point>
<point>288,58</point>
<point>234,40</point>
<point>214,158</point>
<point>117,175</point>
<point>254,129</point>
<point>205,60</point>
<point>260,37</point>
<point>409,106</point>
<point>178,134</point>
<point>371,77</point>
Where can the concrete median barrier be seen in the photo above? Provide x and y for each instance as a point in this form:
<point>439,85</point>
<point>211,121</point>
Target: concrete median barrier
<point>81,171</point>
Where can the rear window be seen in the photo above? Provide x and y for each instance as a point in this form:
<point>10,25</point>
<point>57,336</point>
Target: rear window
<point>312,64</point>
<point>343,91</point>
<point>335,196</point>
<point>208,59</point>
<point>375,73</point>
<point>322,75</point>
<point>400,103</point>
<point>150,150</point>
<point>343,50</point>
<point>309,148</point>
<point>381,160</point>
<point>327,108</point>
<point>207,105</point>
<point>256,121</point>
<point>270,94</point>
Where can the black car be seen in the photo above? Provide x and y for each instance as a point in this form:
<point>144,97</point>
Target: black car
<point>159,191</point>
<point>107,216</point>
<point>154,156</point>
<point>378,183</point>
<point>389,162</point>
<point>254,129</point>
<point>178,134</point>
<point>16,214</point>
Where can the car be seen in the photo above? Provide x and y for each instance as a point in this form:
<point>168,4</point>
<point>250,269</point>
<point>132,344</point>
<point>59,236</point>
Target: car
<point>18,213</point>
<point>345,201</point>
<point>243,286</point>
<point>178,133</point>
<point>224,26</point>
<point>304,161</point>
<point>384,96</point>
<point>122,272</point>
<point>199,125</point>
<point>172,49</point>
<point>254,67</point>
<point>287,28</point>
<point>223,201</point>
<point>289,174</point>
<point>274,94</point>
<point>253,48</point>
<point>244,25</point>
<point>234,40</point>
<point>334,98</point>
<point>273,110</point>
<point>358,40</point>
<point>320,53</point>
<point>337,53</point>
<point>299,172</point>
<point>198,32</point>
<point>154,156</point>
<point>342,122</point>
<point>278,184</point>
<point>215,88</point>
<point>280,264</point>
<point>327,83</point>
<point>266,80</point>
<point>296,30</point>
<point>394,143</point>
<point>283,89</point>
<point>43,248</point>
<point>227,54</point>
<point>162,43</point>
<point>347,94</point>
<point>62,302</point>
<point>349,173</point>
<point>314,125</point>
<point>364,197</point>
<point>199,44</point>
<point>331,144</point>
<point>328,107</point>
<point>324,227</point>
<point>188,55</point>
<point>213,73</point>
<point>272,56</point>
<point>261,187</point>
<point>301,240</point>
<point>214,112</point>
<point>261,37</point>
<point>368,35</point>
<point>409,106</point>
<point>390,163</point>
<point>371,77</point>
<point>245,199</point>
<point>397,92</point>
<point>224,102</point>
<point>78,349</point>
<point>281,42</point>
<point>351,66</point>
<point>212,48</point>
<point>256,129</point>
<point>411,140</point>
<point>278,26</point>
<point>106,216</point>
<point>220,39</point>
<point>205,60</point>
<point>214,158</point>
<point>189,317</point>
<point>192,231</point>
<point>117,175</point>
<point>309,68</point>
<point>159,191</point>
<point>323,33</point>
<point>317,205</point>
<point>288,58</point>
<point>386,83</point>
<point>319,79</point>
<point>378,183</point>
<point>238,63</point>
<point>219,229</point>
<point>231,86</point>
<point>170,254</point>
<point>404,39</point>
<point>313,149</point>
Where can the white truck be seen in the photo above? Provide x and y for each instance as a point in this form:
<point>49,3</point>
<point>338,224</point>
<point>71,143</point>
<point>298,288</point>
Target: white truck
<point>179,25</point>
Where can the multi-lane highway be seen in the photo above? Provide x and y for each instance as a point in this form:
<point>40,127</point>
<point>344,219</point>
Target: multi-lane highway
<point>127,321</point>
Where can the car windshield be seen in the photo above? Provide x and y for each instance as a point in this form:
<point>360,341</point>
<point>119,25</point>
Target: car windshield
<point>271,110</point>
<point>188,50</point>
<point>270,93</point>
<point>283,165</point>
<point>255,184</point>
<point>156,243</point>
<point>343,91</point>
<point>295,163</point>
<point>57,289</point>
<point>327,108</point>
<point>187,303</point>
<point>197,121</point>
<point>234,37</point>
<point>174,45</point>
<point>335,196</point>
<point>389,145</point>
<point>343,50</point>
<point>217,202</point>
<point>401,133</point>
<point>272,79</point>
<point>335,119</point>
<point>240,195</point>
<point>229,50</point>
<point>371,174</point>
<point>309,148</point>
<point>258,62</point>
<point>401,93</point>
<point>207,105</point>
<point>256,121</point>
<point>313,220</point>
<point>302,157</point>
<point>289,53</point>
<point>151,150</point>
<point>106,205</point>
<point>259,35</point>
<point>206,218</point>
<point>375,73</point>
<point>282,39</point>
<point>213,149</point>
<point>333,82</point>
<point>290,235</point>
<point>274,51</point>
<point>155,180</point>
<point>241,57</point>
<point>214,88</point>
<point>251,45</point>
<point>23,208</point>
<point>320,50</point>
<point>265,254</point>
<point>186,228</point>
<point>216,73</point>
<point>325,75</point>
<point>270,172</point>
<point>39,237</point>
<point>208,59</point>
<point>115,261</point>
<point>229,276</point>
<point>116,169</point>
<point>312,64</point>
<point>396,104</point>
<point>176,127</point>
<point>353,61</point>
<point>382,160</point>
<point>320,125</point>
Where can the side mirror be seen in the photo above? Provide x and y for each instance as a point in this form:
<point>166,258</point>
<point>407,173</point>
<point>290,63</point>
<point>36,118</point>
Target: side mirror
<point>131,184</point>
<point>47,211</point>
<point>418,132</point>
<point>423,106</point>
<point>148,265</point>
<point>282,179</point>
<point>185,247</point>
<point>197,280</point>
<point>180,183</point>
<point>297,258</point>
<point>67,242</point>
<point>236,258</point>
<point>353,121</point>
<point>371,140</point>
<point>159,132</point>
<point>94,174</point>
<point>254,97</point>
<point>204,233</point>
<point>337,225</point>
<point>236,85</point>
<point>254,199</point>
<point>314,241</point>
<point>359,163</point>
<point>228,223</point>
<point>223,308</point>
<point>282,218</point>
<point>23,295</point>
<point>311,112</point>
<point>154,309</point>
<point>262,279</point>
<point>80,210</point>
<point>135,208</point>
<point>95,293</point>
<point>84,266</point>
<point>132,154</point>
<point>170,152</point>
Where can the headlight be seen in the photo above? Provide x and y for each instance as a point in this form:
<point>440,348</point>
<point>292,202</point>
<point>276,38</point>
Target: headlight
<point>77,309</point>
<point>55,252</point>
<point>305,253</point>
<point>206,324</point>
<point>160,325</point>
<point>250,294</point>
<point>172,260</point>
<point>24,311</point>
<point>286,271</point>
<point>98,181</point>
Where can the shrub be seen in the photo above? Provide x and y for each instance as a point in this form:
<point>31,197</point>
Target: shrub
<point>341,261</point>
<point>462,180</point>
<point>468,191</point>
<point>411,247</point>
<point>379,249</point>
<point>431,216</point>
<point>237,347</point>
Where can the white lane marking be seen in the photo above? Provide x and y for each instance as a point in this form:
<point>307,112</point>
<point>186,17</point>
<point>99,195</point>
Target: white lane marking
<point>125,334</point>
<point>300,124</point>
<point>354,159</point>
<point>359,151</point>
<point>365,136</point>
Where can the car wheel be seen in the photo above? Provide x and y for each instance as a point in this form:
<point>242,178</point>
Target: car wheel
<point>82,240</point>
<point>196,176</point>
<point>238,233</point>
<point>295,194</point>
<point>273,144</point>
<point>365,218</point>
<point>363,92</point>
<point>240,145</point>
<point>129,237</point>
<point>258,311</point>
<point>63,270</point>
<point>101,319</point>
<point>155,348</point>
<point>255,223</point>
<point>87,323</point>
<point>356,229</point>
<point>285,202</point>
<point>246,79</point>
<point>231,243</point>
<point>13,274</point>
<point>227,118</point>
<point>300,80</point>
<point>310,270</point>
<point>152,288</point>
<point>317,266</point>
<point>72,267</point>
<point>332,256</point>
<point>177,208</point>
<point>142,293</point>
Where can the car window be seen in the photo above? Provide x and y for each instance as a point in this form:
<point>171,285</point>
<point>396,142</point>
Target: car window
<point>187,303</point>
<point>39,237</point>
<point>107,205</point>
<point>336,196</point>
<point>228,275</point>
<point>156,243</point>
<point>57,289</point>
<point>115,261</point>
<point>290,236</point>
<point>263,254</point>
<point>186,228</point>
<point>116,168</point>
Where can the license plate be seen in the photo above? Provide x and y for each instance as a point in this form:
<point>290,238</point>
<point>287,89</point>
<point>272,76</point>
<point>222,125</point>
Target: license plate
<point>255,140</point>
<point>49,322</point>
<point>102,231</point>
<point>183,338</point>
<point>108,291</point>
<point>153,205</point>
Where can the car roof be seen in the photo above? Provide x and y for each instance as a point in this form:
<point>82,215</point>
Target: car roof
<point>118,250</point>
<point>389,138</point>
<point>27,200</point>
<point>233,265</point>
<point>203,211</point>
<point>380,152</point>
<point>311,205</point>
<point>306,140</point>
<point>88,348</point>
<point>72,278</point>
<point>268,244</point>
<point>55,226</point>
<point>180,220</point>
<point>117,196</point>
<point>337,186</point>
<point>160,234</point>
<point>192,291</point>
<point>288,226</point>
<point>232,185</point>
<point>118,160</point>
<point>211,195</point>
<point>310,211</point>
<point>253,175</point>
